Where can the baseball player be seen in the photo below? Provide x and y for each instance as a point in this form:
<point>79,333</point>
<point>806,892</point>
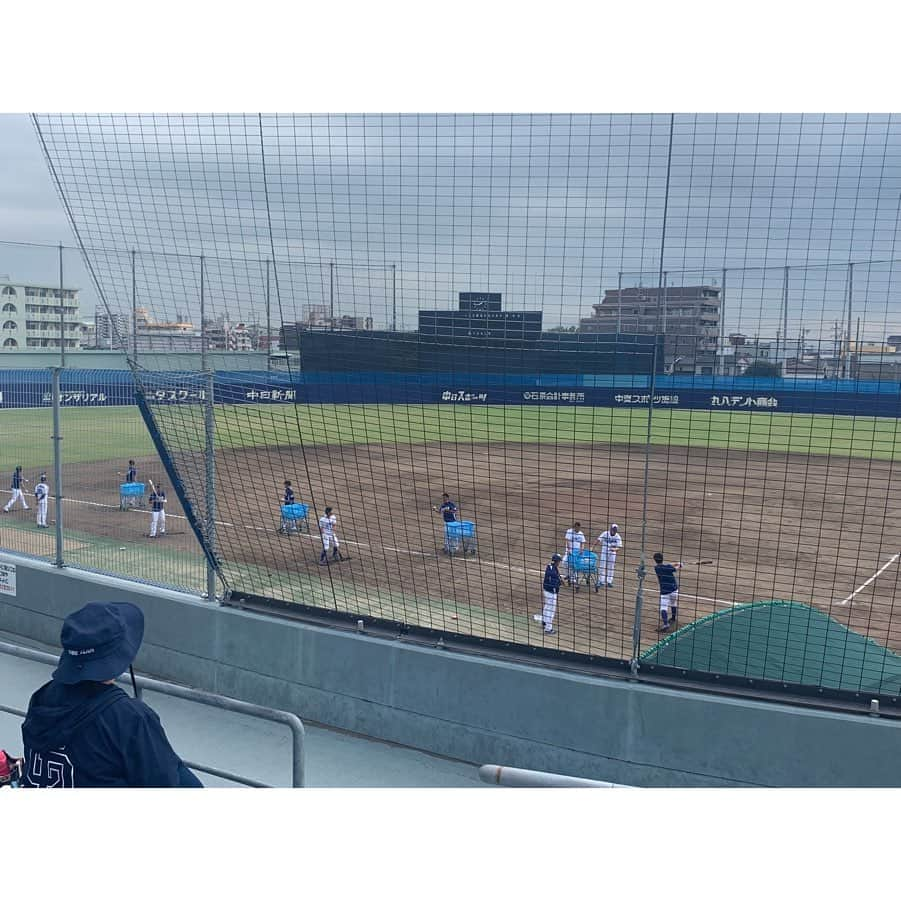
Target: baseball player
<point>327,523</point>
<point>157,510</point>
<point>131,476</point>
<point>448,508</point>
<point>575,541</point>
<point>16,483</point>
<point>41,493</point>
<point>611,543</point>
<point>550,588</point>
<point>288,525</point>
<point>669,591</point>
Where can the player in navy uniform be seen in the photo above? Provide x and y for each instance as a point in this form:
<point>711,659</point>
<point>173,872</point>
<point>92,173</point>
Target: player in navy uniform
<point>669,591</point>
<point>550,588</point>
<point>16,487</point>
<point>288,525</point>
<point>131,476</point>
<point>448,508</point>
<point>157,510</point>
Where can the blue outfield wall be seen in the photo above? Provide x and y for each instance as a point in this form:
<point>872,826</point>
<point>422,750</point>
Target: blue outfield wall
<point>92,388</point>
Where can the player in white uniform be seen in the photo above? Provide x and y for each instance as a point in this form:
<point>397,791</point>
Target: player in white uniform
<point>327,523</point>
<point>575,541</point>
<point>41,493</point>
<point>611,543</point>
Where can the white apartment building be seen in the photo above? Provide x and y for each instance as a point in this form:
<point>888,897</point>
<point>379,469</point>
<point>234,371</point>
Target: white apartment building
<point>30,317</point>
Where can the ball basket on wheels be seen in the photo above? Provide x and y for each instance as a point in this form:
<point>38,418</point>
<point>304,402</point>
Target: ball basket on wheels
<point>581,567</point>
<point>294,519</point>
<point>460,538</point>
<point>131,494</point>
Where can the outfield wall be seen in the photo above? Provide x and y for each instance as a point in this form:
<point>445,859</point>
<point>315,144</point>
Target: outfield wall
<point>31,388</point>
<point>466,706</point>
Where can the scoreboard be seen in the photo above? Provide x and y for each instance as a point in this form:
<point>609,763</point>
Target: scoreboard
<point>481,323</point>
<point>480,300</point>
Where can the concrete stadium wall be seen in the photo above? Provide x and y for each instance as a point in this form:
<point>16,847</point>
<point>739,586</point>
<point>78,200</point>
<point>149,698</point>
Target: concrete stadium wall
<point>469,707</point>
<point>114,359</point>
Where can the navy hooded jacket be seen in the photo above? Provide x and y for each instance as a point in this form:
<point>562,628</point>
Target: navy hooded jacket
<point>121,744</point>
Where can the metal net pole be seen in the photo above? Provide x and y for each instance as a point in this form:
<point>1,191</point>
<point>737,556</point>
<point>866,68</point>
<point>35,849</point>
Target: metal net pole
<point>57,466</point>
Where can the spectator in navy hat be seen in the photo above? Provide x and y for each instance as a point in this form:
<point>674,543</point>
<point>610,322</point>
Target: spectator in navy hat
<point>82,731</point>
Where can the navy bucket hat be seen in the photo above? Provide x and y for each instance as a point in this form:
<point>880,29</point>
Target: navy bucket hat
<point>100,642</point>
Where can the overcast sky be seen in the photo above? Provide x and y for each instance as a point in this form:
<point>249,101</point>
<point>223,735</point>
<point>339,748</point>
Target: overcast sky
<point>31,212</point>
<point>547,210</point>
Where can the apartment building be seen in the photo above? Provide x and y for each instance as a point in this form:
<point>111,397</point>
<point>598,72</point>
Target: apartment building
<point>34,317</point>
<point>688,318</point>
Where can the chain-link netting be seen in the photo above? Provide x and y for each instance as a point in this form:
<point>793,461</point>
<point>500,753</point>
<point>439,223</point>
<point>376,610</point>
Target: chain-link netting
<point>469,342</point>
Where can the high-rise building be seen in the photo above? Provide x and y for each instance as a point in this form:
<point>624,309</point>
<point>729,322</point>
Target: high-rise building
<point>33,317</point>
<point>111,332</point>
<point>689,320</point>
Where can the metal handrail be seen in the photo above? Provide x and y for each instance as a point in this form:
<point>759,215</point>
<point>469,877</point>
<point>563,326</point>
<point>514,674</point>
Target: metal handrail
<point>293,722</point>
<point>516,778</point>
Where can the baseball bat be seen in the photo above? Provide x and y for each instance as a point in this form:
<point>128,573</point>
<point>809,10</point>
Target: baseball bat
<point>699,563</point>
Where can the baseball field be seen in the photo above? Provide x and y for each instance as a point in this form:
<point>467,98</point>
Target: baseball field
<point>788,506</point>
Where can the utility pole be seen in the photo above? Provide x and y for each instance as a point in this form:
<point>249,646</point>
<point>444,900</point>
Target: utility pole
<point>619,300</point>
<point>62,313</point>
<point>723,325</point>
<point>331,294</point>
<point>202,319</point>
<point>850,304</point>
<point>393,297</point>
<point>134,310</point>
<point>268,323</point>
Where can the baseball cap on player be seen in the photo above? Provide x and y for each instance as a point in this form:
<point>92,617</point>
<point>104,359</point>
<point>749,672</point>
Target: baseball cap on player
<point>556,558</point>
<point>100,642</point>
<point>613,527</point>
<point>328,510</point>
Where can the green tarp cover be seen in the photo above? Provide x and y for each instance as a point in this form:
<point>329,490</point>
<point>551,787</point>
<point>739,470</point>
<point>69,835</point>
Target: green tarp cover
<point>783,641</point>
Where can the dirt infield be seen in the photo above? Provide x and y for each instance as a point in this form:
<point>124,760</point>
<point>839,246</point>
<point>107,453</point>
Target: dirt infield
<point>812,529</point>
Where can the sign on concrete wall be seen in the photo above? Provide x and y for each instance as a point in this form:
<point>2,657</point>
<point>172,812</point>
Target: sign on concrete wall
<point>8,579</point>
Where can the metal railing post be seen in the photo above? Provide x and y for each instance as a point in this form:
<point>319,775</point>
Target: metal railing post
<point>57,466</point>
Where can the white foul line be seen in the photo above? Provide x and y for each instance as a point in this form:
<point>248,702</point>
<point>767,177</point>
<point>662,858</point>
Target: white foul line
<point>878,572</point>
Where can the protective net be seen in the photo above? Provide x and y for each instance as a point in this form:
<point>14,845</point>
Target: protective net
<point>682,325</point>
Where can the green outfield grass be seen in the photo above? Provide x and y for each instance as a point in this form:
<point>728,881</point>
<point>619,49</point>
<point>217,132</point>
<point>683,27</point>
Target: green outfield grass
<point>118,432</point>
